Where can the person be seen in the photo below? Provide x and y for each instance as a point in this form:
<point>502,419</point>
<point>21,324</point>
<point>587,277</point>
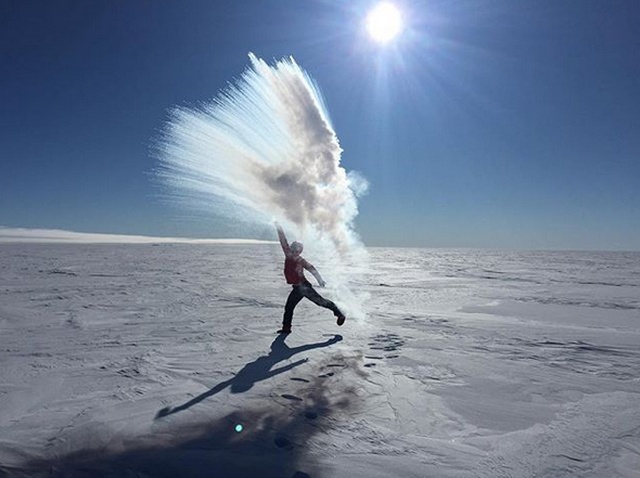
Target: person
<point>294,266</point>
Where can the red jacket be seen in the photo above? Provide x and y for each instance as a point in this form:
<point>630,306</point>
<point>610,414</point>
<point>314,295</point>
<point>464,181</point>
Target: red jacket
<point>294,269</point>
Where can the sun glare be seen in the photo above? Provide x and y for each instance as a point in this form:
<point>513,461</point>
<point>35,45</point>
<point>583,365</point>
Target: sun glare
<point>384,22</point>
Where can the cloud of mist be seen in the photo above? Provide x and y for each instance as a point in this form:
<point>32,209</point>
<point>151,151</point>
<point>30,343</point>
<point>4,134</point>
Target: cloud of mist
<point>264,149</point>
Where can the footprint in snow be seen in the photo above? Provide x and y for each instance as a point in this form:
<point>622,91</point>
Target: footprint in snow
<point>385,343</point>
<point>291,397</point>
<point>310,414</point>
<point>283,442</point>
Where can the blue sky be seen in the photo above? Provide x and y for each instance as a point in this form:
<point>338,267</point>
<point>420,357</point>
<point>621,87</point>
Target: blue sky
<point>502,123</point>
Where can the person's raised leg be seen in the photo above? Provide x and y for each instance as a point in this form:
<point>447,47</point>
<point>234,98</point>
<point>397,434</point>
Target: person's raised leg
<point>310,293</point>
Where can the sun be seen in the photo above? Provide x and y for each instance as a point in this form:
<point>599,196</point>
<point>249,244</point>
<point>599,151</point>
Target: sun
<point>384,22</point>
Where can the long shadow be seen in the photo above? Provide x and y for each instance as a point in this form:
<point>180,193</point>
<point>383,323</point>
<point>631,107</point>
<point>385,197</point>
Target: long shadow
<point>256,371</point>
<point>273,444</point>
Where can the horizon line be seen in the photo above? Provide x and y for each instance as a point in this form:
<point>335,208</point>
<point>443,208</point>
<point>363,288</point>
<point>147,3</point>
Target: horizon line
<point>23,235</point>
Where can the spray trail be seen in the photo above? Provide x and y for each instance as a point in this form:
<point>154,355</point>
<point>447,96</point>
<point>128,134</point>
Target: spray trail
<point>265,149</point>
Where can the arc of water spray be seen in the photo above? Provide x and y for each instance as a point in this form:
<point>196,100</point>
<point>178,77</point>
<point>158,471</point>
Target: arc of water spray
<point>264,148</point>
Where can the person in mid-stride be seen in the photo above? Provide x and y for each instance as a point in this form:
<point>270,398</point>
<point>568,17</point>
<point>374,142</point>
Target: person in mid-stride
<point>294,266</point>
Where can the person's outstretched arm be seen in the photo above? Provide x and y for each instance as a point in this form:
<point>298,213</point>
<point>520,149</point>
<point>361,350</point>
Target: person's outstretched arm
<point>307,265</point>
<point>283,240</point>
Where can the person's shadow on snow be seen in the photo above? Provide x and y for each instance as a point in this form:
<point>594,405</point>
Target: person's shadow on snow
<point>256,371</point>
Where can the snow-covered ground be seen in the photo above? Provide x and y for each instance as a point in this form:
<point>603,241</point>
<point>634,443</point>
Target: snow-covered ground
<point>141,360</point>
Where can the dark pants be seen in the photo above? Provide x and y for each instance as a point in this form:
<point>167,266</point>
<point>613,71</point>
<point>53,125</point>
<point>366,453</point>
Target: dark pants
<point>299,291</point>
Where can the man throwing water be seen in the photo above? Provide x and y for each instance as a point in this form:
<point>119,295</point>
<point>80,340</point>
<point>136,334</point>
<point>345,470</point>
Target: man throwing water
<point>294,266</point>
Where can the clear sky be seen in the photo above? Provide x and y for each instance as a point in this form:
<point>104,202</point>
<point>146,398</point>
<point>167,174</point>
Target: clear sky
<point>486,123</point>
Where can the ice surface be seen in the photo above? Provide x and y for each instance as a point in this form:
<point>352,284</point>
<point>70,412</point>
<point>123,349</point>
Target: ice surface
<point>140,360</point>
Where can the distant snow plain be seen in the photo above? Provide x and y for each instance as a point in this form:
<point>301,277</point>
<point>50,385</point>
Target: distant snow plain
<point>141,360</point>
